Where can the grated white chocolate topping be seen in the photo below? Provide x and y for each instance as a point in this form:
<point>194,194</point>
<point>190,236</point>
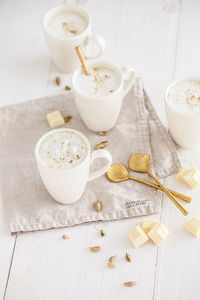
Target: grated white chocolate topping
<point>184,97</point>
<point>101,82</point>
<point>62,150</point>
<point>66,24</point>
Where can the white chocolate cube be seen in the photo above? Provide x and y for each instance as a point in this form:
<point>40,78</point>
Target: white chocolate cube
<point>194,227</point>
<point>55,119</point>
<point>137,236</point>
<point>158,233</point>
<point>181,174</point>
<point>190,180</point>
<point>196,176</point>
<point>189,176</point>
<point>147,224</point>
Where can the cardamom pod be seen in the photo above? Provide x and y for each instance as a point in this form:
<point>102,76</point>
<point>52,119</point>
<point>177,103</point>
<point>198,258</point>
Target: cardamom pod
<point>101,145</point>
<point>128,257</point>
<point>67,88</point>
<point>67,118</point>
<point>130,283</point>
<point>65,236</point>
<point>58,80</point>
<point>95,248</point>
<point>97,206</point>
<point>112,258</point>
<point>102,232</point>
<point>111,265</point>
<point>102,133</point>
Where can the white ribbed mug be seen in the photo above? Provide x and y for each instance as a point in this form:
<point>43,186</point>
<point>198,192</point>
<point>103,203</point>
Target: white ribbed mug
<point>67,185</point>
<point>184,128</point>
<point>100,113</point>
<point>62,50</point>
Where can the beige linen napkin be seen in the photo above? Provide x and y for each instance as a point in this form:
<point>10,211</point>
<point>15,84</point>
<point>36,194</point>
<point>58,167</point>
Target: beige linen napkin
<point>27,204</point>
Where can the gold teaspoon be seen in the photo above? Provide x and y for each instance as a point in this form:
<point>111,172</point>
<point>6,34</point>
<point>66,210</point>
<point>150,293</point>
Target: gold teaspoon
<point>141,163</point>
<point>119,172</point>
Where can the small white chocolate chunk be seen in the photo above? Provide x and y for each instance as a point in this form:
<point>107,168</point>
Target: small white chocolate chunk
<point>158,233</point>
<point>194,227</point>
<point>189,176</point>
<point>190,180</point>
<point>196,176</point>
<point>137,236</point>
<point>180,176</point>
<point>147,224</point>
<point>55,119</point>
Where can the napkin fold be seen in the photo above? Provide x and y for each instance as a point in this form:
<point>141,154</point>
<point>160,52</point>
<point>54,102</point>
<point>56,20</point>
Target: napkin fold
<point>26,202</point>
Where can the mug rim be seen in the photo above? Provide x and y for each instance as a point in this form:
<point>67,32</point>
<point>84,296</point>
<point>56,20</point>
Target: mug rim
<point>84,12</point>
<point>38,159</point>
<point>174,83</point>
<point>98,63</point>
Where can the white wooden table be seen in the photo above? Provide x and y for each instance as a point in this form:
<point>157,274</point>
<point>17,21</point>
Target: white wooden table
<point>160,39</point>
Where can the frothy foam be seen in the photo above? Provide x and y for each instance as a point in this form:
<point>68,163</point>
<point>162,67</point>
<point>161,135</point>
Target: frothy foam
<point>102,81</point>
<point>184,97</point>
<point>62,149</point>
<point>66,24</point>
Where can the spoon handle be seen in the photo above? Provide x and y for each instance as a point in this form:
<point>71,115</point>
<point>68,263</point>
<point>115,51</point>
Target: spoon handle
<point>82,60</point>
<point>180,207</point>
<point>174,193</point>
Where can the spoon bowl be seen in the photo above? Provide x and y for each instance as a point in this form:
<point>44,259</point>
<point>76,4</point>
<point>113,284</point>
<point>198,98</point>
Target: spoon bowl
<point>140,162</point>
<point>117,173</point>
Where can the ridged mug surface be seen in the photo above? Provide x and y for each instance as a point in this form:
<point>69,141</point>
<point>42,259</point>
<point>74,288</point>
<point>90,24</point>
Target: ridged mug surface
<point>57,182</point>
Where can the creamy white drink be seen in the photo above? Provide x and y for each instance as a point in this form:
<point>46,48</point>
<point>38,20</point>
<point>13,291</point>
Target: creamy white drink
<point>102,81</point>
<point>66,24</point>
<point>184,97</point>
<point>62,149</point>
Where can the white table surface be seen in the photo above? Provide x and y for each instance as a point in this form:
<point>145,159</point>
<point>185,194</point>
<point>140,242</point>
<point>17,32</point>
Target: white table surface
<point>161,39</point>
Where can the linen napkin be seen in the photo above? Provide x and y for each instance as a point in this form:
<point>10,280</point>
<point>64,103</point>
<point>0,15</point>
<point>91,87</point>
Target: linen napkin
<point>26,202</point>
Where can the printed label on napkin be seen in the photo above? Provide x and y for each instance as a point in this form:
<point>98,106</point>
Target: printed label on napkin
<point>131,204</point>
